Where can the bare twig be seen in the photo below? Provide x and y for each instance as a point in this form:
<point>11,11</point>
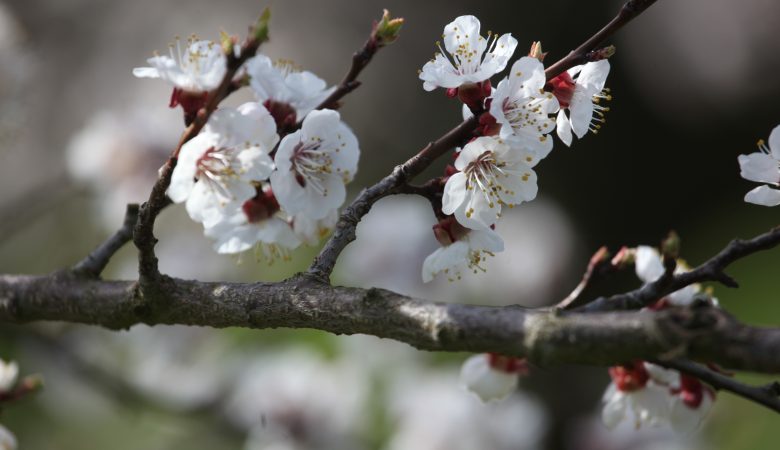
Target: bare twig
<point>763,395</point>
<point>94,264</point>
<point>711,270</point>
<point>598,265</point>
<point>628,12</point>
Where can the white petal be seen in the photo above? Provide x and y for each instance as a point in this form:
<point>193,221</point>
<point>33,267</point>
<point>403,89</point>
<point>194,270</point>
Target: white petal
<point>450,259</point>
<point>774,142</point>
<point>648,264</point>
<point>8,374</point>
<point>615,406</point>
<point>454,193</point>
<point>183,176</point>
<point>686,420</point>
<point>759,167</point>
<point>763,195</point>
<point>485,240</point>
<point>563,128</point>
<point>580,114</point>
<point>7,439</point>
<point>489,384</point>
<point>255,163</point>
<point>285,151</point>
<point>594,75</point>
<point>651,404</point>
<point>146,72</point>
<point>496,60</point>
<point>462,30</point>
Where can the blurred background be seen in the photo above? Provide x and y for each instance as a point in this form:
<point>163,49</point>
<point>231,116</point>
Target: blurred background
<point>693,83</point>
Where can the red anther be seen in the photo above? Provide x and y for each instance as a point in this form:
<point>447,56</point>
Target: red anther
<point>261,207</point>
<point>562,88</point>
<point>629,377</point>
<point>508,364</point>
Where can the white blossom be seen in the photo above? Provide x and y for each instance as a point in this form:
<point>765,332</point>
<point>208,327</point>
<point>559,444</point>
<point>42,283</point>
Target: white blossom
<point>523,109</point>
<point>649,267</point>
<point>198,67</point>
<point>226,159</point>
<point>686,419</point>
<point>467,57</point>
<point>648,406</point>
<point>491,174</point>
<point>468,252</point>
<point>7,439</point>
<point>763,167</point>
<point>313,231</point>
<point>479,376</point>
<point>258,223</point>
<point>282,85</point>
<point>314,164</point>
<point>9,371</point>
<point>581,97</point>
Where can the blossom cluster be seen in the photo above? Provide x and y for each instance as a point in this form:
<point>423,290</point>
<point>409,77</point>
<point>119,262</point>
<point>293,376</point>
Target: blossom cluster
<point>651,394</point>
<point>495,170</point>
<point>269,174</point>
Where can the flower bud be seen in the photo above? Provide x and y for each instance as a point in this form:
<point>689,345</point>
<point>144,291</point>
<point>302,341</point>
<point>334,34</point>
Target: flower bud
<point>670,247</point>
<point>260,30</point>
<point>536,51</point>
<point>387,30</point>
<point>479,376</point>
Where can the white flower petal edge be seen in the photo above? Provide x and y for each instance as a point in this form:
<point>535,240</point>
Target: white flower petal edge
<point>7,439</point>
<point>491,175</point>
<point>686,420</point>
<point>312,231</point>
<point>587,92</point>
<point>469,58</point>
<point>313,165</point>
<point>9,371</point>
<point>235,233</point>
<point>198,68</point>
<point>284,83</point>
<point>487,383</point>
<point>468,253</point>
<point>763,167</point>
<point>649,267</point>
<point>648,405</point>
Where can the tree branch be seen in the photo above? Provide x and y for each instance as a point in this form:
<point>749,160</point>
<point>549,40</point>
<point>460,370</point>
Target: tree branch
<point>94,264</point>
<point>711,270</point>
<point>763,395</point>
<point>703,333</point>
<point>628,12</point>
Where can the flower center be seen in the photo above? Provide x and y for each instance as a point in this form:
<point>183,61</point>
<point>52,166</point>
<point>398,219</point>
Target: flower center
<point>485,173</point>
<point>508,364</point>
<point>216,166</point>
<point>630,377</point>
<point>261,207</point>
<point>309,163</point>
<point>563,88</point>
<point>526,114</point>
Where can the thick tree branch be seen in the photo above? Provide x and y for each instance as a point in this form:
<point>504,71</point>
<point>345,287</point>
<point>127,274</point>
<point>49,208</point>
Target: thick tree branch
<point>627,13</point>
<point>702,333</point>
<point>94,264</point>
<point>711,270</point>
<point>767,395</point>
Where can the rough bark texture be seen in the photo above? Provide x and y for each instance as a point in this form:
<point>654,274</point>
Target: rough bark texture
<point>546,337</point>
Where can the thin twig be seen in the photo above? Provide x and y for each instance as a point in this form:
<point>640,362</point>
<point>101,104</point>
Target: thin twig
<point>94,264</point>
<point>598,265</point>
<point>711,270</point>
<point>627,13</point>
<point>763,395</point>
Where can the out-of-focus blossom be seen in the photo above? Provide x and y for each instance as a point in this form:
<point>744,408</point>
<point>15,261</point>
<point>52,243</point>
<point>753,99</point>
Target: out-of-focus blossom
<point>523,110</point>
<point>691,403</point>
<point>313,231</point>
<point>634,396</point>
<point>581,97</point>
<point>288,92</point>
<point>491,376</point>
<point>7,439</point>
<point>467,57</point>
<point>491,174</point>
<point>9,371</point>
<point>297,399</point>
<point>431,412</point>
<point>763,167</point>
<point>650,266</point>
<point>314,164</point>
